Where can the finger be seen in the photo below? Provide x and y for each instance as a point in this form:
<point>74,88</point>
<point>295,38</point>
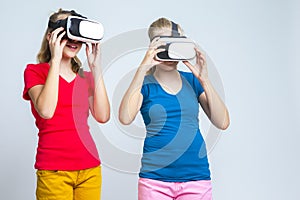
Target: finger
<point>55,37</point>
<point>154,40</point>
<point>63,43</point>
<point>97,47</point>
<point>202,56</point>
<point>93,47</point>
<point>61,36</point>
<point>188,64</point>
<point>191,67</point>
<point>197,48</point>
<point>200,53</point>
<point>201,60</point>
<point>157,61</point>
<point>159,50</point>
<point>198,59</point>
<point>158,44</point>
<point>87,49</point>
<point>56,31</point>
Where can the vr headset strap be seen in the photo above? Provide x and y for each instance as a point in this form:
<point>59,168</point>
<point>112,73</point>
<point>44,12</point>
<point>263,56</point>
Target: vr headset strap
<point>57,24</point>
<point>74,13</point>
<point>175,32</point>
<point>62,23</point>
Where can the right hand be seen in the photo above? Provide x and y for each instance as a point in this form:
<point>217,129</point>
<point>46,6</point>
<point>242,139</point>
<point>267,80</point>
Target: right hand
<point>56,44</point>
<point>149,60</point>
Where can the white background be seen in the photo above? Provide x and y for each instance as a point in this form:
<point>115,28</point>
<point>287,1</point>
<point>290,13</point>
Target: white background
<point>254,46</point>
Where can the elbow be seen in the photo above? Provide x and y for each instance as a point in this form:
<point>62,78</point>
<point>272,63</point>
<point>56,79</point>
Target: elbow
<point>124,120</point>
<point>221,123</point>
<point>225,125</point>
<point>222,126</point>
<point>46,114</point>
<point>101,115</point>
<point>44,110</point>
<point>124,117</point>
<point>103,118</point>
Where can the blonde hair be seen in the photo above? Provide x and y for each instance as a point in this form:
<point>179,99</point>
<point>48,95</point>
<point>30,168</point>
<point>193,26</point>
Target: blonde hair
<point>44,54</point>
<point>156,29</point>
<point>159,25</point>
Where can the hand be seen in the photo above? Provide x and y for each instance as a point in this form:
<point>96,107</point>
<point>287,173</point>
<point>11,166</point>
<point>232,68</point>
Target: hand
<point>94,57</point>
<point>149,60</point>
<point>200,68</point>
<point>56,44</point>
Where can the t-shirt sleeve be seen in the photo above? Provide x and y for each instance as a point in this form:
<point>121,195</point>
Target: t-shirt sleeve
<point>33,75</point>
<point>197,86</point>
<point>145,88</point>
<point>194,82</point>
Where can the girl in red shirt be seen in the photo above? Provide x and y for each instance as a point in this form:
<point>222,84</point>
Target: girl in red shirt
<point>62,95</point>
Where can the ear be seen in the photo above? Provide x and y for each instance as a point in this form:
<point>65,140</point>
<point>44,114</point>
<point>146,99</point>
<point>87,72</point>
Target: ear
<point>48,36</point>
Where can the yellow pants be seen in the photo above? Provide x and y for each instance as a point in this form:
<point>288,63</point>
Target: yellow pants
<point>69,185</point>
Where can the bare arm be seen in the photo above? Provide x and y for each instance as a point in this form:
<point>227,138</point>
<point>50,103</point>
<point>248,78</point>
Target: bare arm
<point>210,101</point>
<point>99,103</point>
<point>132,99</point>
<point>44,97</point>
<point>213,106</point>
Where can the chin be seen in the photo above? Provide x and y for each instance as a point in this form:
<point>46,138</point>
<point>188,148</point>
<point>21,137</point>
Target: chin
<point>168,65</point>
<point>69,54</point>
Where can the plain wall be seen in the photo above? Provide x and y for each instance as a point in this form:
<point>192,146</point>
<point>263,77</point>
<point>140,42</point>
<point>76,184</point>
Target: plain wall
<point>253,45</point>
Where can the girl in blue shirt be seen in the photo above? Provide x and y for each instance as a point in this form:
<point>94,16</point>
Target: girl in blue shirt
<point>174,162</point>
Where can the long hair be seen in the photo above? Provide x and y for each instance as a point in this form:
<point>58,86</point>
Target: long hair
<point>156,28</point>
<point>44,55</point>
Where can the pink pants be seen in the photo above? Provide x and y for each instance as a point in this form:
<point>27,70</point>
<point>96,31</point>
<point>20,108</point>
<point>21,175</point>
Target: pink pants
<point>149,189</point>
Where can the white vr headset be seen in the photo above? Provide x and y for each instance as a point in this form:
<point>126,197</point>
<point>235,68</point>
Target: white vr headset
<point>80,28</point>
<point>177,48</point>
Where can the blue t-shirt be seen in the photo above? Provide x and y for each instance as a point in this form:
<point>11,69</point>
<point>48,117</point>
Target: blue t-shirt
<point>174,149</point>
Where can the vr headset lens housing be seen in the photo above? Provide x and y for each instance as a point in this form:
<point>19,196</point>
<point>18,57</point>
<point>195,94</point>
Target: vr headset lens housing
<point>80,29</point>
<point>84,30</point>
<point>177,47</point>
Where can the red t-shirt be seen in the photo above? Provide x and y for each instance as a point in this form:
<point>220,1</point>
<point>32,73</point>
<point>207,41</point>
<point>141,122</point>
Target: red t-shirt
<point>65,142</point>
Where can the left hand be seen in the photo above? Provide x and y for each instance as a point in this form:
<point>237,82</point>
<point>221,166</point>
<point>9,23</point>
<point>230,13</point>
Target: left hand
<point>200,68</point>
<point>94,57</point>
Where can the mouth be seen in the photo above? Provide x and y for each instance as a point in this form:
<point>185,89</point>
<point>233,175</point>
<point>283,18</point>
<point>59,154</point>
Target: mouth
<point>171,63</point>
<point>72,46</point>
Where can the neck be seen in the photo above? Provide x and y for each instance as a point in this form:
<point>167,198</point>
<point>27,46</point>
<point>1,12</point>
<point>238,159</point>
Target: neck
<point>169,79</point>
<point>166,75</point>
<point>65,66</point>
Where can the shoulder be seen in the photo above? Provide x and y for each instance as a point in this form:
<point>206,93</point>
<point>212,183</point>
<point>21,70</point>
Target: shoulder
<point>186,74</point>
<point>193,81</point>
<point>148,79</point>
<point>189,76</point>
<point>148,85</point>
<point>87,75</point>
<point>34,74</point>
<point>38,68</point>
